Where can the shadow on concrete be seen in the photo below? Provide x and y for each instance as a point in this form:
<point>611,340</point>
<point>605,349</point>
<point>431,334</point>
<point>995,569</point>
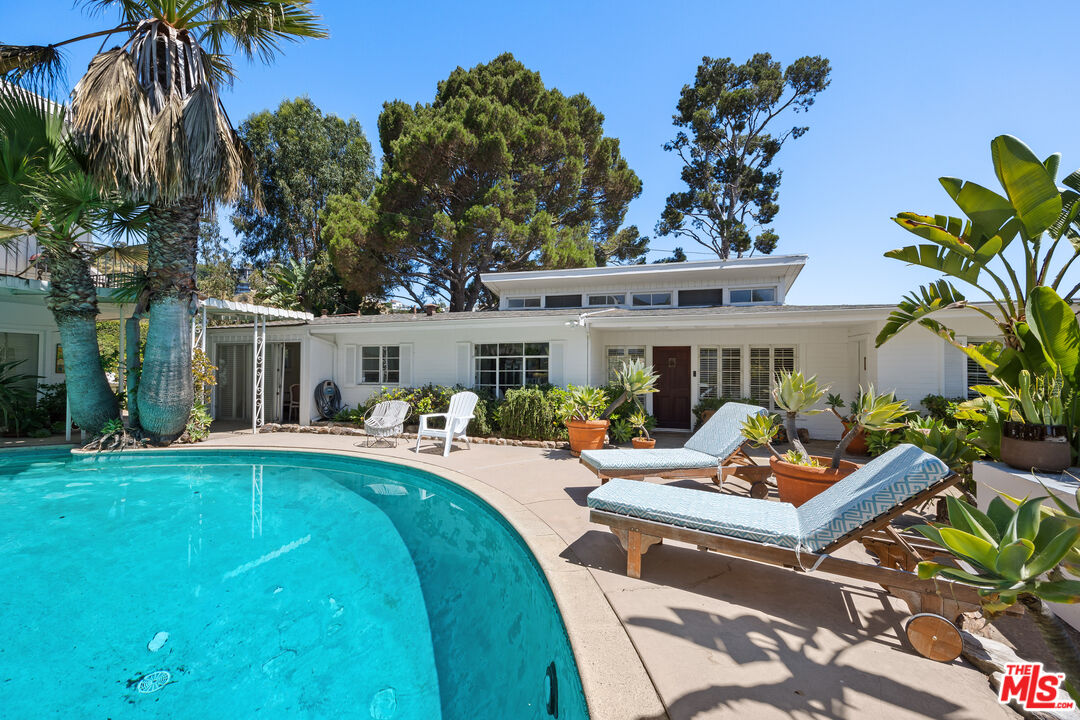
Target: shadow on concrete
<point>817,685</point>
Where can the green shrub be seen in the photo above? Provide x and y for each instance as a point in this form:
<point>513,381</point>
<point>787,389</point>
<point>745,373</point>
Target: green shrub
<point>620,431</point>
<point>878,441</point>
<point>940,407</point>
<point>527,413</point>
<point>40,433</point>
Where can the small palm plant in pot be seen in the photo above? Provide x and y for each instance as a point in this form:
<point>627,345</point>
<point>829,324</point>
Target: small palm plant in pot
<point>640,422</point>
<point>858,445</point>
<point>800,475</point>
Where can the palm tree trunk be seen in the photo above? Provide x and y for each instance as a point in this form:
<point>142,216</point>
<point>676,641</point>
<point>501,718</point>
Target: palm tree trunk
<point>132,366</point>
<point>73,301</point>
<point>166,392</point>
<point>1057,639</point>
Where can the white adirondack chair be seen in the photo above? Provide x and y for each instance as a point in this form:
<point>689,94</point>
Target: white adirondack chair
<point>457,417</point>
<point>385,422</point>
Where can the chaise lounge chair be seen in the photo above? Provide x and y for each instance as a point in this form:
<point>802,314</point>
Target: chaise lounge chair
<point>859,507</point>
<point>714,450</point>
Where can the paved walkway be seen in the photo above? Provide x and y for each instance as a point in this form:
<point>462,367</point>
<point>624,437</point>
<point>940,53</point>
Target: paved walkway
<point>718,637</point>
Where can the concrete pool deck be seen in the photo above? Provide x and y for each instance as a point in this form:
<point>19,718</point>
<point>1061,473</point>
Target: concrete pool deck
<point>700,636</point>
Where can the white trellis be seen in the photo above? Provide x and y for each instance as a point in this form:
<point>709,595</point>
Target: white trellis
<point>260,315</point>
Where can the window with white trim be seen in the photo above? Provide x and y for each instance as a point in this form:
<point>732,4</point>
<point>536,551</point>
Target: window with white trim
<point>719,372</point>
<point>616,356</point>
<point>522,303</point>
<point>502,366</point>
<point>976,373</point>
<point>765,363</point>
<point>656,299</point>
<point>607,300</point>
<point>749,296</point>
<point>380,364</point>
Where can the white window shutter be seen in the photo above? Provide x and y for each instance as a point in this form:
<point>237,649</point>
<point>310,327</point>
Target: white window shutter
<point>350,365</point>
<point>556,363</point>
<point>405,358</point>
<point>464,364</point>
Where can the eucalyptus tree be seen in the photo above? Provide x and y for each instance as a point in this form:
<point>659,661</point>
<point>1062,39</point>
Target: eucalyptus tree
<point>1006,247</point>
<point>46,193</point>
<point>154,127</point>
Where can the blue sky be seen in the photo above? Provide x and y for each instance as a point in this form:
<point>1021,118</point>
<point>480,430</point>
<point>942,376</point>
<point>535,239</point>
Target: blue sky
<point>918,91</point>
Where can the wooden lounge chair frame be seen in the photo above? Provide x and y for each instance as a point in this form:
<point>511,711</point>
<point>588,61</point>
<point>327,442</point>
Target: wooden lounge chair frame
<point>935,604</point>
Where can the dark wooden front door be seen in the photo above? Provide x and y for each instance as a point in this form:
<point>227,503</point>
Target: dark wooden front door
<point>671,404</point>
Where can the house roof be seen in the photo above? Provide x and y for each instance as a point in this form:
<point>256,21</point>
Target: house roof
<point>782,268</point>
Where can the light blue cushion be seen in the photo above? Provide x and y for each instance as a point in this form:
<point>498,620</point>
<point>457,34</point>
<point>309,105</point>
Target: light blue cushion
<point>722,434</point>
<point>879,485</point>
<point>732,515</point>
<point>662,459</point>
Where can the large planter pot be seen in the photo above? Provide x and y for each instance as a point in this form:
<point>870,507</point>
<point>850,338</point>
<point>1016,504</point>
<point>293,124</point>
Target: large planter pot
<point>1042,448</point>
<point>641,443</point>
<point>857,446</point>
<point>798,483</point>
<point>586,435</point>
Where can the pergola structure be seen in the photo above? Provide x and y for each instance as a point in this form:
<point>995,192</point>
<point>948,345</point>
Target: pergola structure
<point>259,316</point>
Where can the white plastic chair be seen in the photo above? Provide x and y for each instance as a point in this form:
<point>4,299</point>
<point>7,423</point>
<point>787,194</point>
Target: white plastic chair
<point>385,421</point>
<point>457,417</point>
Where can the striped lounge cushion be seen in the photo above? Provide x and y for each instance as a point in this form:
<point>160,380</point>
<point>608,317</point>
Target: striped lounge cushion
<point>761,521</point>
<point>663,459</point>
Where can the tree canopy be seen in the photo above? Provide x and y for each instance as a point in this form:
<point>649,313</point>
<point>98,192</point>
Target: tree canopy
<point>727,152</point>
<point>302,156</point>
<point>497,173</point>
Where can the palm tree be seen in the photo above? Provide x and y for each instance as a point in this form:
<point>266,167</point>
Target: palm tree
<point>155,129</point>
<point>46,192</point>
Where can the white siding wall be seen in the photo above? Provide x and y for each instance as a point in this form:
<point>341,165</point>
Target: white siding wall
<point>823,351</point>
<point>917,363</point>
<point>442,352</point>
<point>19,317</point>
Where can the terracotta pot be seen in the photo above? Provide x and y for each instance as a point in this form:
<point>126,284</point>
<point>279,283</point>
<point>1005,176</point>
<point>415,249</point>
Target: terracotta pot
<point>1039,448</point>
<point>706,415</point>
<point>857,446</point>
<point>641,443</point>
<point>586,435</point>
<point>798,483</point>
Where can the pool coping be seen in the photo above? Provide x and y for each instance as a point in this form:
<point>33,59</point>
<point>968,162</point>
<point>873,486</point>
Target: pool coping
<point>613,676</point>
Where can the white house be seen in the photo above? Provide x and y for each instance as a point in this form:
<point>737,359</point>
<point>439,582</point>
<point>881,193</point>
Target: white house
<point>713,328</point>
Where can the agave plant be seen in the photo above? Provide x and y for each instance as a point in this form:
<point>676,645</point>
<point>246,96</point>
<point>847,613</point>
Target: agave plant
<point>584,403</point>
<point>633,378</point>
<point>1016,554</point>
<point>796,394</point>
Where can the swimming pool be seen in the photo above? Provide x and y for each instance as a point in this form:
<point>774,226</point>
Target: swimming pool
<point>229,583</point>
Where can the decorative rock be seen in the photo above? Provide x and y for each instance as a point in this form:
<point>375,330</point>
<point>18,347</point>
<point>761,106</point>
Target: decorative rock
<point>988,655</point>
<point>157,642</point>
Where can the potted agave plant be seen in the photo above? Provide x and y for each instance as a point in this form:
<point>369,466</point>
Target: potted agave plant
<point>582,415</point>
<point>640,421</point>
<point>858,445</point>
<point>586,416</point>
<point>1035,433</point>
<point>799,475</point>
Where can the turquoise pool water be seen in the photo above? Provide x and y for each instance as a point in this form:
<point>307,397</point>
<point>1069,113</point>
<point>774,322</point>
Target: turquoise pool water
<point>233,584</point>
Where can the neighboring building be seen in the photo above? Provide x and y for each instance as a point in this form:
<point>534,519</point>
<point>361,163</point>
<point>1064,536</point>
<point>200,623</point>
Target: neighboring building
<point>714,328</point>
